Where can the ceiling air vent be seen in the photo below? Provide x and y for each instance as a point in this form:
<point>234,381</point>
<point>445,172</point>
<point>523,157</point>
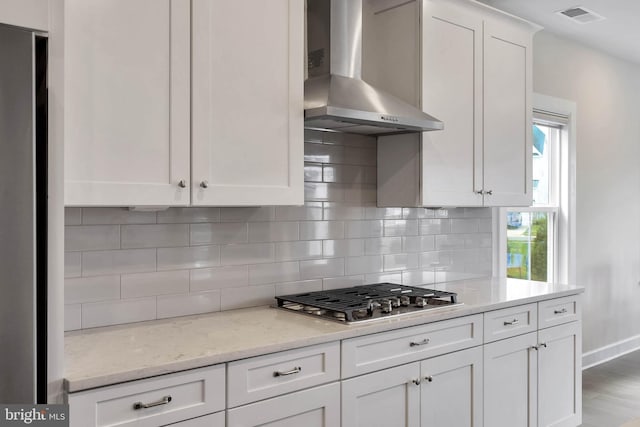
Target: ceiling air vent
<point>581,15</point>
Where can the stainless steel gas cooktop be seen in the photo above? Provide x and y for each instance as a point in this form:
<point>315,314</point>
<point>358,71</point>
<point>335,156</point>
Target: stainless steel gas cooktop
<point>367,302</point>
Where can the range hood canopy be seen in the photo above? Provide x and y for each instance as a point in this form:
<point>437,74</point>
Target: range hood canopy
<point>335,96</point>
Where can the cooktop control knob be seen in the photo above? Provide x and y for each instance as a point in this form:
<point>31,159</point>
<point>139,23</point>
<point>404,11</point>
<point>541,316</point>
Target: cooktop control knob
<point>387,306</point>
<point>405,301</point>
<point>421,302</point>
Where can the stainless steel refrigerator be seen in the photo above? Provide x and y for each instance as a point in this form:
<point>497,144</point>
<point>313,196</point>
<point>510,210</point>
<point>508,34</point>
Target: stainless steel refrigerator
<point>23,216</point>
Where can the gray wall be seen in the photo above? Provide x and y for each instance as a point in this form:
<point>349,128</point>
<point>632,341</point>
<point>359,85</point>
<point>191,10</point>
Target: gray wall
<point>607,93</point>
<point>124,266</point>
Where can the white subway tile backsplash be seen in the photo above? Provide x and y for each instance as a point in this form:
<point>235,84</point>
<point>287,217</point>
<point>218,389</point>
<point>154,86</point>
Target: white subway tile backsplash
<point>118,312</point>
<point>274,273</point>
<point>125,266</point>
<point>434,226</point>
<point>319,268</point>
<point>251,296</point>
<point>154,236</point>
<point>293,251</point>
<point>188,215</point>
<point>320,191</point>
<point>252,214</point>
<point>207,234</point>
<point>72,264</point>
<point>343,210</point>
<point>401,227</point>
<point>91,238</point>
<point>160,283</point>
<point>364,265</point>
<point>464,225</point>
<point>72,216</point>
<point>219,277</point>
<point>93,216</point>
<point>72,317</point>
<point>361,229</point>
<point>99,263</point>
<point>342,248</point>
<point>312,172</point>
<point>311,211</point>
<point>273,231</point>
<point>314,230</point>
<point>418,243</point>
<point>383,277</point>
<point>91,289</point>
<point>323,153</point>
<point>188,257</point>
<point>342,282</point>
<point>383,245</point>
<point>298,287</point>
<point>250,253</point>
<point>395,262</point>
<point>188,304</point>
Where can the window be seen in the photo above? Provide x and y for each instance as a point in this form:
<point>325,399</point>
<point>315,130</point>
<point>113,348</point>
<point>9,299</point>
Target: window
<point>536,243</point>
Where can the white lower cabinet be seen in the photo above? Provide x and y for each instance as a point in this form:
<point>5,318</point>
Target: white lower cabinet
<point>213,420</point>
<point>315,407</point>
<point>442,391</point>
<point>534,379</point>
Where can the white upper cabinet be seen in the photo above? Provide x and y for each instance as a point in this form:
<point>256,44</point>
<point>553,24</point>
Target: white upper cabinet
<point>247,98</point>
<point>179,102</point>
<point>126,102</point>
<point>475,73</point>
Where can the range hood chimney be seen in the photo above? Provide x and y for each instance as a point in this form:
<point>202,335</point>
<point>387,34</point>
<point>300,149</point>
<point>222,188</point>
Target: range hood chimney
<point>335,96</point>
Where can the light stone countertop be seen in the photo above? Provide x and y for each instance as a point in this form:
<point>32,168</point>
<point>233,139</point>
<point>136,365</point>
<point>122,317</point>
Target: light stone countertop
<point>109,355</point>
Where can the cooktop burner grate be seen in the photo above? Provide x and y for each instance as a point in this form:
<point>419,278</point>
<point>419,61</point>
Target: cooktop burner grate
<point>367,302</point>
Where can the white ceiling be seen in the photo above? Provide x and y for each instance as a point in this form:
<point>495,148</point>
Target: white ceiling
<point>618,35</point>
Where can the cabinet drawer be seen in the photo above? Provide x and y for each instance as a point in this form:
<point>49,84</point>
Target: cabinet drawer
<point>273,374</point>
<point>378,351</point>
<point>509,322</point>
<point>213,420</point>
<point>187,395</point>
<point>558,311</point>
<point>318,406</point>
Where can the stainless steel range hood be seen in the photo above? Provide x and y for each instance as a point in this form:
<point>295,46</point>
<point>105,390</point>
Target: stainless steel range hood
<point>336,97</point>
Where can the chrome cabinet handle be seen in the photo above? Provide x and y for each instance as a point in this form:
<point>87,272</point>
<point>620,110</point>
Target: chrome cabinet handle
<point>182,183</point>
<point>564,310</point>
<point>543,344</point>
<point>479,192</point>
<point>204,184</point>
<point>295,370</point>
<point>139,405</point>
<point>429,378</point>
<point>534,347</point>
<point>416,344</point>
<point>416,382</point>
<point>512,322</point>
<point>489,192</point>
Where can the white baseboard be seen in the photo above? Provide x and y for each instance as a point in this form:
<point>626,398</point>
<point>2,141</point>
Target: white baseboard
<point>609,352</point>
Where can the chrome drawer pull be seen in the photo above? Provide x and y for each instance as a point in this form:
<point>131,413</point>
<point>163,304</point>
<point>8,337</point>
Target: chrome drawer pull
<point>564,310</point>
<point>416,344</point>
<point>513,322</point>
<point>140,405</point>
<point>295,370</point>
<point>429,378</point>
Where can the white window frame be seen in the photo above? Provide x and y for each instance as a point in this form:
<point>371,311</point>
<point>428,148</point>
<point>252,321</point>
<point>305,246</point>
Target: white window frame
<point>563,234</point>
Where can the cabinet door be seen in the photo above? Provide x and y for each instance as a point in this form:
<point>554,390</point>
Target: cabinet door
<point>247,94</point>
<point>507,115</point>
<point>560,376</point>
<point>384,398</point>
<point>452,92</point>
<point>126,102</point>
<point>315,407</point>
<point>451,390</point>
<point>510,382</point>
